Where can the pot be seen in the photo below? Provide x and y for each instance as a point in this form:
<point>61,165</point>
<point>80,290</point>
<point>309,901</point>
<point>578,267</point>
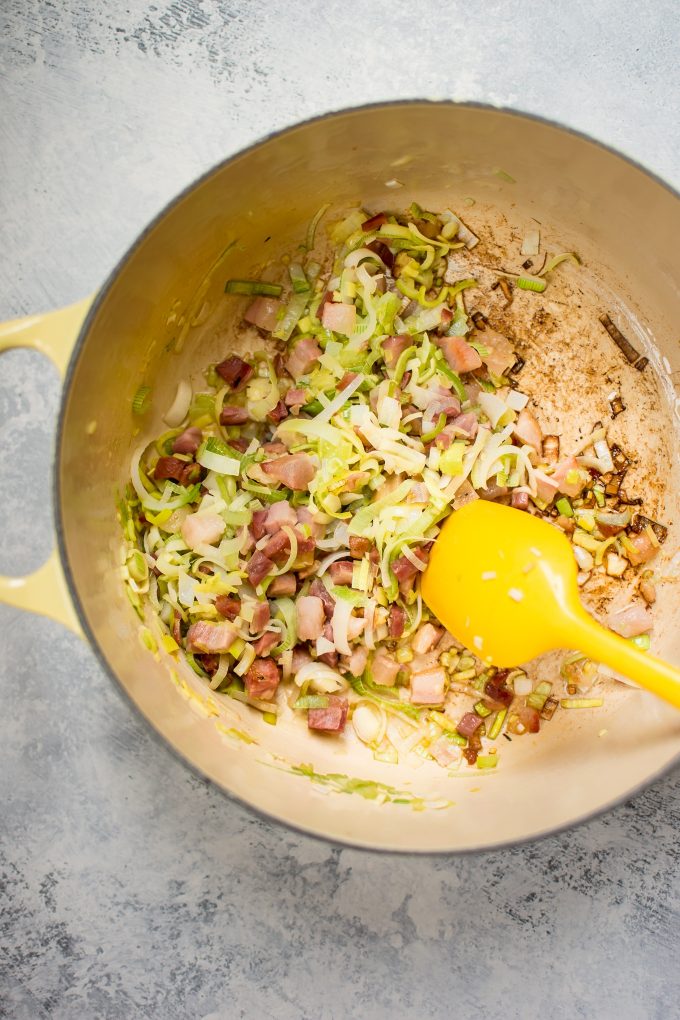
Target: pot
<point>162,316</point>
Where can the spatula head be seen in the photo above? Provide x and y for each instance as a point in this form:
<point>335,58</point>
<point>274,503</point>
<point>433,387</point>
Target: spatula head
<point>502,582</point>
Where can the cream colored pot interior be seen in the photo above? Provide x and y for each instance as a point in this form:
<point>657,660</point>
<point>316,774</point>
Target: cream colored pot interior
<point>624,225</point>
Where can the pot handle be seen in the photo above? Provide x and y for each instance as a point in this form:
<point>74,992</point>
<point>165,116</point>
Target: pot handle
<point>53,334</point>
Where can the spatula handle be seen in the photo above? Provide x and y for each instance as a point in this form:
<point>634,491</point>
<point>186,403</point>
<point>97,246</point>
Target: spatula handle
<point>602,645</point>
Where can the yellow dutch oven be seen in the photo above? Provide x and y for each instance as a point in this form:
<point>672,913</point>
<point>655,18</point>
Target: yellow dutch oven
<point>162,316</point>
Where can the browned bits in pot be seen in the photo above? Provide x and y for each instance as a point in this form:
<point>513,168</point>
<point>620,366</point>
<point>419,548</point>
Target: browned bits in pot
<point>549,708</point>
<point>479,320</point>
<point>640,523</point>
<point>621,461</point>
<point>629,500</point>
<point>507,292</point>
<point>551,449</point>
<point>613,484</point>
<point>617,406</point>
<point>518,366</point>
<point>624,345</point>
<point>648,588</point>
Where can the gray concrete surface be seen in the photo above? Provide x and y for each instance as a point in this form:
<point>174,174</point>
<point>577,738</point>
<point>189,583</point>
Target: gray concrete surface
<point>130,888</point>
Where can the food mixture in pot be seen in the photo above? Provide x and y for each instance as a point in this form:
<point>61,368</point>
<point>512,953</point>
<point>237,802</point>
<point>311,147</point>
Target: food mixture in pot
<point>279,528</point>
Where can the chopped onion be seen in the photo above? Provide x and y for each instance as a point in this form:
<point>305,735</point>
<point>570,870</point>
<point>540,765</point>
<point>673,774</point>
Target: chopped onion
<point>246,660</point>
<point>389,412</point>
<point>179,408</point>
<point>323,645</point>
<point>311,229</point>
<point>369,722</point>
<point>417,618</point>
<point>523,686</point>
<point>294,311</point>
<point>588,441</point>
<point>426,319</point>
<point>339,623</point>
<point>135,477</point>
<point>461,231</point>
<point>286,660</point>
<point>613,518</point>
<point>531,243</point>
<point>616,565</point>
<point>412,558</point>
<point>338,538</point>
<point>220,673</point>
<point>583,558</point>
<point>219,463</point>
<point>359,414</point>
<point>338,400</point>
<point>493,407</point>
<point>325,563</point>
<point>361,575</point>
<point>515,400</point>
<point>369,613</point>
<point>356,256</point>
<point>322,678</point>
<point>186,589</point>
<point>287,623</point>
<point>292,538</point>
<point>588,462</point>
<point>603,453</point>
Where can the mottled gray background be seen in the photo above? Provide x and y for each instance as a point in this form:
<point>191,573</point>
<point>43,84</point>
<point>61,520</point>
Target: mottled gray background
<point>130,888</point>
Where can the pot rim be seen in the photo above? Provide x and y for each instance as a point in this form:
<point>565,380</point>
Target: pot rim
<point>103,293</point>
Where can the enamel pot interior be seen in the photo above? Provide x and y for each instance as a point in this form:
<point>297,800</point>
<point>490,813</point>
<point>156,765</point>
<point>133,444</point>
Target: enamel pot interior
<point>170,285</point>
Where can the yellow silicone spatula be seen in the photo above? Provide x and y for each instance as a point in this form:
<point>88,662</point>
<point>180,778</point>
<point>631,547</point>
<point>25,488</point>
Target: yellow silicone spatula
<point>504,584</point>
